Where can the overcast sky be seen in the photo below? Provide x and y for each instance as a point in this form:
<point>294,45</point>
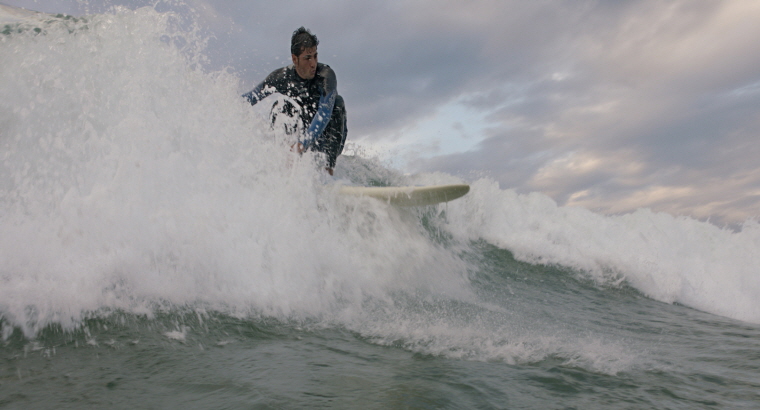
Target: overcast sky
<point>610,105</point>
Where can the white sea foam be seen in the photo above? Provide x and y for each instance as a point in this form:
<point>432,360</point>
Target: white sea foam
<point>671,259</point>
<point>132,178</point>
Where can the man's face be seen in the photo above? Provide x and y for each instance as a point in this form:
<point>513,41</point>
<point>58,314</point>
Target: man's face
<point>306,63</point>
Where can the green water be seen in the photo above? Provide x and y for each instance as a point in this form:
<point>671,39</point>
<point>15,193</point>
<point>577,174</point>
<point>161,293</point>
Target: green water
<point>640,354</point>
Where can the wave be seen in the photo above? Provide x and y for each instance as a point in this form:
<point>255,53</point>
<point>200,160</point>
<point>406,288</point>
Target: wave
<point>134,181</point>
<point>670,259</point>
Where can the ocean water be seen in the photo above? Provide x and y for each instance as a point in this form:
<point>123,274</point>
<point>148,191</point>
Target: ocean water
<point>161,248</point>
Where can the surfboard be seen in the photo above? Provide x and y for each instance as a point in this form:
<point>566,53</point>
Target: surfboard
<point>410,195</point>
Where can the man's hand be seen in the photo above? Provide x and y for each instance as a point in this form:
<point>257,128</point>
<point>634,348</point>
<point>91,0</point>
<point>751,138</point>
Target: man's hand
<point>297,147</point>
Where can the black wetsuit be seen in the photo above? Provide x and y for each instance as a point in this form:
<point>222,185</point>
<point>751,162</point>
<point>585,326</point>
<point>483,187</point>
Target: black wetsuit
<point>322,110</point>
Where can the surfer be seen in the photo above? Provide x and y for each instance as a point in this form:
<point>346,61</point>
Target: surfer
<point>313,86</point>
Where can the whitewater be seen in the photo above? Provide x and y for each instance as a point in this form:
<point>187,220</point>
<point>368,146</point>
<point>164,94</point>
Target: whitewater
<point>148,213</point>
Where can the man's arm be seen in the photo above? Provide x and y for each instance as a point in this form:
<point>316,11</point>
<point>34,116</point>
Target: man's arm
<point>267,87</point>
<point>321,118</point>
<point>325,108</point>
<point>259,92</point>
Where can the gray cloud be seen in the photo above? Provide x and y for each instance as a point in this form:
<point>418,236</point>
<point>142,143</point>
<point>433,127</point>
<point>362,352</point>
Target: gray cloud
<point>658,108</point>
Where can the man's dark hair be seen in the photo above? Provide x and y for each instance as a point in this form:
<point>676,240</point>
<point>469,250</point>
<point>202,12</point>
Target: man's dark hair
<point>301,40</point>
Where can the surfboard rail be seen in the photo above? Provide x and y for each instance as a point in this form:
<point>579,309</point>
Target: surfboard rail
<point>410,195</point>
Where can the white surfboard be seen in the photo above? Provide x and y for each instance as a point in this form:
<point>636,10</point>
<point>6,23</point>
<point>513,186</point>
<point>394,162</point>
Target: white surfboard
<point>410,195</point>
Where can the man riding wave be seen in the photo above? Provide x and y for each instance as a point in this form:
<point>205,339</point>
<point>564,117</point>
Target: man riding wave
<point>314,87</point>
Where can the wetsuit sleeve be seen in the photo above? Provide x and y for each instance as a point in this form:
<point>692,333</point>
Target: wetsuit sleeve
<point>265,88</point>
<point>325,108</point>
<point>259,92</point>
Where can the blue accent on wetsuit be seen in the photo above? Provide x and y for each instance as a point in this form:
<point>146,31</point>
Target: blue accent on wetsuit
<point>321,118</point>
<point>255,95</point>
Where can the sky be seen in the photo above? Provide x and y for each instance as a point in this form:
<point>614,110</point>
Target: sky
<point>609,105</point>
